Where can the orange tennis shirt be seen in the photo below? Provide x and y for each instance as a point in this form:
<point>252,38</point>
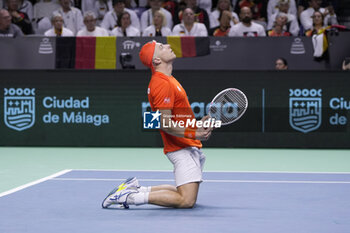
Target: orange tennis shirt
<point>165,92</point>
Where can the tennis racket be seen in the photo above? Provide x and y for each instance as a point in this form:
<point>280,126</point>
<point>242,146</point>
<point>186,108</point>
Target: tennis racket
<point>228,106</point>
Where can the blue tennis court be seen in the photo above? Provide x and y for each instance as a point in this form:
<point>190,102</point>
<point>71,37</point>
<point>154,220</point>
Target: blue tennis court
<point>70,201</point>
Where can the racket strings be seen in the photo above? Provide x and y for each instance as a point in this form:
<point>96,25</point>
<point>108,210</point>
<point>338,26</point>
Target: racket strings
<point>229,106</point>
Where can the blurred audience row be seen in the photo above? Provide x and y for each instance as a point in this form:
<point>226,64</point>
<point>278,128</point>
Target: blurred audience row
<point>166,17</point>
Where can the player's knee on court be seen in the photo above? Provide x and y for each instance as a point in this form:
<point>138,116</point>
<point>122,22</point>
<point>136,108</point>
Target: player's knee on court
<point>187,202</point>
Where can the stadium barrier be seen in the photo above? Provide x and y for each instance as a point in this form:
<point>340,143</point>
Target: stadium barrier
<point>288,109</point>
<point>122,53</point>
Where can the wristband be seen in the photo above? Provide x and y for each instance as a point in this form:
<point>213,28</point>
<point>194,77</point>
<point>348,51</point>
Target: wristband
<point>190,133</point>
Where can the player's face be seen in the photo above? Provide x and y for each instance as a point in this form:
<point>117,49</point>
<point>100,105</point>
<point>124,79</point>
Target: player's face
<point>164,52</point>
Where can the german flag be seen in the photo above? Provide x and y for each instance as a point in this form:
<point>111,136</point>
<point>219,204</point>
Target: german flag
<point>189,46</point>
<point>86,52</point>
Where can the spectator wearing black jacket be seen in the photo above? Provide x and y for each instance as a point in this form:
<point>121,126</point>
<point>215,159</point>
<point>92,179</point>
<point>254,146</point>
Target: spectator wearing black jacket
<point>19,18</point>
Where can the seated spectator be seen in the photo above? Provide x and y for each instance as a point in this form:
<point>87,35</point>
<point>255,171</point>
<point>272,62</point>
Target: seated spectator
<point>147,16</point>
<point>222,5</point>
<point>26,7</point>
<point>19,18</point>
<point>44,8</point>
<point>76,3</point>
<point>90,28</point>
<point>247,28</point>
<point>110,19</point>
<point>273,7</point>
<point>279,28</point>
<point>201,15</point>
<point>72,17</point>
<point>258,9</point>
<point>281,64</point>
<point>189,27</point>
<point>43,25</point>
<point>8,29</point>
<point>330,16</point>
<point>124,26</point>
<point>173,7</point>
<point>223,29</point>
<point>158,28</point>
<point>304,4</point>
<point>101,8</point>
<point>317,24</point>
<point>58,29</point>
<point>88,5</point>
<point>292,22</point>
<point>315,5</point>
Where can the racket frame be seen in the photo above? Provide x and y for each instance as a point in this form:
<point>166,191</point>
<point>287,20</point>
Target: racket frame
<point>225,90</point>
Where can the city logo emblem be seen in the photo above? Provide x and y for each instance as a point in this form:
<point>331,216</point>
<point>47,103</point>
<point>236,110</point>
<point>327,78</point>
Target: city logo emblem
<point>19,108</point>
<point>305,109</point>
<point>151,120</point>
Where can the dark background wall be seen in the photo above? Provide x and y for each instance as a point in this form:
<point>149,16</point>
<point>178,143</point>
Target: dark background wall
<point>118,98</point>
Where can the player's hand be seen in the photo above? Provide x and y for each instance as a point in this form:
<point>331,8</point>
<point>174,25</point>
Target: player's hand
<point>202,133</point>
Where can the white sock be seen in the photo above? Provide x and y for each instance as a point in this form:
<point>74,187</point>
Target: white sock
<point>145,189</point>
<point>139,198</point>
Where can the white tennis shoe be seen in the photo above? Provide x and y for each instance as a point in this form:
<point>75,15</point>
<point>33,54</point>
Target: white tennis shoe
<point>120,194</point>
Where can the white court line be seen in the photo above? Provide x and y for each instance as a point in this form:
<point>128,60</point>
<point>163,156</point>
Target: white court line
<point>215,181</point>
<point>214,171</point>
<point>34,183</point>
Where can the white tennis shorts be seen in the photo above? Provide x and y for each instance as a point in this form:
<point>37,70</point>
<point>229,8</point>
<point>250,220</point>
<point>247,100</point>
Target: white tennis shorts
<point>188,165</point>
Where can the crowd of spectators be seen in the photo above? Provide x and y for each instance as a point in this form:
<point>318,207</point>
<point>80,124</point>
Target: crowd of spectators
<point>236,18</point>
